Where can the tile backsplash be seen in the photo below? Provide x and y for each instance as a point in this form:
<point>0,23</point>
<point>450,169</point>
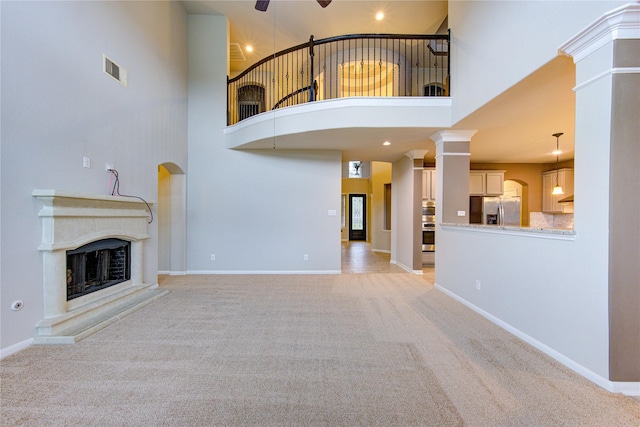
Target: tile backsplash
<point>545,220</point>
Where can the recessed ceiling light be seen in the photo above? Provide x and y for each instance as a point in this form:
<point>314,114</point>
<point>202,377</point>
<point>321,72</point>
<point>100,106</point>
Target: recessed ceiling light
<point>386,143</point>
<point>249,48</point>
<point>379,16</point>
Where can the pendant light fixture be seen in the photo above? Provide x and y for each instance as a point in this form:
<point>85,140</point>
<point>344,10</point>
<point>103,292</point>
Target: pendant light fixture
<point>557,189</point>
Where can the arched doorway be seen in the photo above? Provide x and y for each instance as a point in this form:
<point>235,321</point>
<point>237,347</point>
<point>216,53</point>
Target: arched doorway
<point>516,187</point>
<point>172,224</point>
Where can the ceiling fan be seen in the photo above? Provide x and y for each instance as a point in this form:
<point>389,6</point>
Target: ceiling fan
<point>262,5</point>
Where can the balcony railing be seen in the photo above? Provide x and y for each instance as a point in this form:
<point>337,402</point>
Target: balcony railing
<point>343,66</point>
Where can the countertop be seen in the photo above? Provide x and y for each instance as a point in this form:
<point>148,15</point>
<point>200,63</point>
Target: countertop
<point>562,233</point>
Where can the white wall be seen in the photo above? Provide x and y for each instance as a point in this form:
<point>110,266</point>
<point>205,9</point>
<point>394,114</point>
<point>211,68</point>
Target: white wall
<point>257,211</point>
<point>495,44</point>
<point>553,291</point>
<point>58,106</point>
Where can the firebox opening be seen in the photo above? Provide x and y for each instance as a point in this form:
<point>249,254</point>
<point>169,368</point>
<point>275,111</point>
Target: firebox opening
<point>97,265</point>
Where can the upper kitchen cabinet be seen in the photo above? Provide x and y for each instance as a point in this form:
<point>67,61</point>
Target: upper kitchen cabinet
<point>563,177</point>
<point>429,184</point>
<point>486,183</point>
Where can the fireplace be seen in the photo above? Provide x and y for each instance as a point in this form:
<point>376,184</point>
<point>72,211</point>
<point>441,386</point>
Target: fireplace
<point>92,253</point>
<point>97,266</point>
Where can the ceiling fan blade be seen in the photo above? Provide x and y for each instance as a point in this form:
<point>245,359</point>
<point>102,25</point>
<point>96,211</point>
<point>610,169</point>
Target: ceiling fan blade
<point>324,3</point>
<point>262,5</point>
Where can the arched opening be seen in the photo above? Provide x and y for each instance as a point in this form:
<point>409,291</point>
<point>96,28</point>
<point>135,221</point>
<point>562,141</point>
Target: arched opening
<point>172,224</point>
<point>516,187</point>
<point>434,89</point>
<point>250,101</point>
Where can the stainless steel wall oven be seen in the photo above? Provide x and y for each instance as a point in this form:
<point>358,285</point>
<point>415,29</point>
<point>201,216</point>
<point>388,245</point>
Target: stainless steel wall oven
<point>428,237</point>
<point>428,226</point>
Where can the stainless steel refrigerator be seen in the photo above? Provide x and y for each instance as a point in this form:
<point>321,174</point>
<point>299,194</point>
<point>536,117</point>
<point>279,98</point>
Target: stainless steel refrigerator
<point>503,210</point>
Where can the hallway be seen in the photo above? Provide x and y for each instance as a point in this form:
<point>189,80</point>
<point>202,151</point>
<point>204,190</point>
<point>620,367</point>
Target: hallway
<point>358,257</point>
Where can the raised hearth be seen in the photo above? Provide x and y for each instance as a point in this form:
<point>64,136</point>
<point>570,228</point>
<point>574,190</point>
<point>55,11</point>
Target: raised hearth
<point>69,221</point>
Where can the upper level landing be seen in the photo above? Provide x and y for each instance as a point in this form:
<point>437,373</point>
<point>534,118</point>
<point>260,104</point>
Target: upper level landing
<point>350,93</point>
<point>357,126</point>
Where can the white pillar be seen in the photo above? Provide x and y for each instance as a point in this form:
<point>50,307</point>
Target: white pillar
<point>452,175</point>
<point>607,179</point>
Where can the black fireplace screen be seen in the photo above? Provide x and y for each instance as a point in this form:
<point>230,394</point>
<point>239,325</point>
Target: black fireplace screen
<point>97,266</point>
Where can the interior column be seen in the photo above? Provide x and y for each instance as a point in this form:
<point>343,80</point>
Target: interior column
<point>452,176</point>
<point>607,58</point>
<point>417,159</point>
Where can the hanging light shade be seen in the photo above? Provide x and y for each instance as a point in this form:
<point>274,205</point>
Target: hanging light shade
<point>557,189</point>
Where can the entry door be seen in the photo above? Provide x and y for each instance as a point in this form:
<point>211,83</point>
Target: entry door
<point>357,217</point>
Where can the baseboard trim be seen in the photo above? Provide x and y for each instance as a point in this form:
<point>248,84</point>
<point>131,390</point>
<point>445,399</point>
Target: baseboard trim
<point>15,348</point>
<point>382,251</point>
<point>626,388</point>
<point>264,272</point>
<point>405,268</point>
<point>172,273</point>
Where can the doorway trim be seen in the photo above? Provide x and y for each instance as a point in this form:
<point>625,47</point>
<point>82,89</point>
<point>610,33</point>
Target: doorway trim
<point>172,220</point>
<point>358,234</point>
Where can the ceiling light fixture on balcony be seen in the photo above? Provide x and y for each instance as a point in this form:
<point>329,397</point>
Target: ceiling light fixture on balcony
<point>379,16</point>
<point>557,189</point>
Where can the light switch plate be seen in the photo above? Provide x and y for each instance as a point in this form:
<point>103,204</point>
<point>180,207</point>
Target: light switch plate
<point>462,213</point>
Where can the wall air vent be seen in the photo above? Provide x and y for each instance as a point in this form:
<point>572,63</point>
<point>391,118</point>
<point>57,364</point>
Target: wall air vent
<point>115,71</point>
<point>236,53</point>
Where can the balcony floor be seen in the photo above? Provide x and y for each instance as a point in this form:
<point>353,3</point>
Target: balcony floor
<point>355,126</point>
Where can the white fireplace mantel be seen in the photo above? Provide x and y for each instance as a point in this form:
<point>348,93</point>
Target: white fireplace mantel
<point>71,220</point>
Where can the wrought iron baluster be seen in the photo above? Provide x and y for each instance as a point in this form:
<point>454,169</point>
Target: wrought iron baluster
<point>349,67</point>
<point>382,61</point>
<point>448,77</point>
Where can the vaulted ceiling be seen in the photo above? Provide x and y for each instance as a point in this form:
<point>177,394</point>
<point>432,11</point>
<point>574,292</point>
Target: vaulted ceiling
<point>515,127</point>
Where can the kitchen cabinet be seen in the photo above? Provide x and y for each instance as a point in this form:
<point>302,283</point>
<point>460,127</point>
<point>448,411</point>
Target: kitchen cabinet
<point>550,204</point>
<point>429,184</point>
<point>486,183</point>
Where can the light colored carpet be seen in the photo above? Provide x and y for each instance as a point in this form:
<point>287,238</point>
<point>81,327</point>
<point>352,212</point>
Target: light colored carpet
<point>333,350</point>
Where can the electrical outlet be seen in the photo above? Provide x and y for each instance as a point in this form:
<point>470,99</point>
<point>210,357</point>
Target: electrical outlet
<point>306,257</point>
<point>478,285</point>
<point>213,257</point>
<point>86,162</point>
<point>108,167</point>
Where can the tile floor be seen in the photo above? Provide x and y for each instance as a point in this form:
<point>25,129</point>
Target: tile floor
<point>358,257</point>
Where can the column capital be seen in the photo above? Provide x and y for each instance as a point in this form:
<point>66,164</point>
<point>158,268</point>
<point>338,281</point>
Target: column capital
<point>620,23</point>
<point>453,136</point>
<point>416,154</point>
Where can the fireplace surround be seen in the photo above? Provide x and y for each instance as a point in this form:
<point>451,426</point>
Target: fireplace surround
<point>70,221</point>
